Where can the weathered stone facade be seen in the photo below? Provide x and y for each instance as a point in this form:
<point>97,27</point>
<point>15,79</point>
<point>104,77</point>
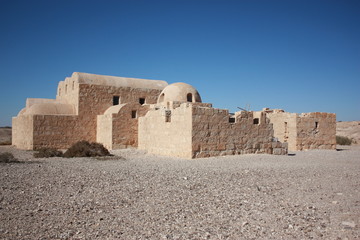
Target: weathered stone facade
<point>304,131</point>
<point>73,115</point>
<point>216,133</point>
<point>162,119</point>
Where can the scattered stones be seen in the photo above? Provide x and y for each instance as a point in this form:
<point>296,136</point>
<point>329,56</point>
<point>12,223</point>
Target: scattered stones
<point>349,224</point>
<point>151,197</point>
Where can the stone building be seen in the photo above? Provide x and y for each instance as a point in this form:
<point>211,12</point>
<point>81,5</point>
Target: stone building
<point>162,119</point>
<point>304,131</point>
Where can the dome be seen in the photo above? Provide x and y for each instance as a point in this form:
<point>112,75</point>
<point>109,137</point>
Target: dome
<point>179,92</point>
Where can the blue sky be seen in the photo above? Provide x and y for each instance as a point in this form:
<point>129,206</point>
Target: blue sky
<point>300,56</point>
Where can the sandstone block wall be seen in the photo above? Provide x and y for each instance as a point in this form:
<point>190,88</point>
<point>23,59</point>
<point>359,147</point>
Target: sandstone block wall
<point>94,100</point>
<point>305,131</point>
<point>105,130</point>
<point>22,131</point>
<point>316,131</point>
<point>58,131</point>
<point>120,130</point>
<point>214,134</point>
<point>68,92</point>
<point>285,128</point>
<point>167,131</point>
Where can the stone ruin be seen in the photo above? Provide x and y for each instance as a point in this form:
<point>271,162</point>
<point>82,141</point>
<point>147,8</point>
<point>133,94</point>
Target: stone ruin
<point>161,119</point>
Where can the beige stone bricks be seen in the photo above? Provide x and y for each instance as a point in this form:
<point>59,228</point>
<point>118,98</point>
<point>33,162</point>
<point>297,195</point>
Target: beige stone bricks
<point>162,119</point>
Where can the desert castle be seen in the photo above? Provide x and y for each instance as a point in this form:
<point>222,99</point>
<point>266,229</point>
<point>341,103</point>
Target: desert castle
<point>162,119</point>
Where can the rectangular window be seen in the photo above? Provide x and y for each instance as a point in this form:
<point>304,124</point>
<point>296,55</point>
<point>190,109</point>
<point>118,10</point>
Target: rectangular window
<point>256,121</point>
<point>231,120</point>
<point>134,114</point>
<point>116,100</point>
<point>316,125</point>
<point>142,101</point>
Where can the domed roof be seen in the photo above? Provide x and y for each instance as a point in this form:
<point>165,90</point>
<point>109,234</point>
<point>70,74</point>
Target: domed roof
<point>180,92</point>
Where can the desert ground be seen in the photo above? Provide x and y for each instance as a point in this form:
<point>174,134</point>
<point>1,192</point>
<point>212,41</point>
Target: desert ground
<point>133,195</point>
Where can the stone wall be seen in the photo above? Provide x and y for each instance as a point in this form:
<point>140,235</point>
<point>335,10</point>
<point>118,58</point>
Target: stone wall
<point>22,131</point>
<point>316,131</point>
<point>125,125</point>
<point>167,131</point>
<point>105,130</point>
<point>57,131</point>
<point>96,99</point>
<point>285,129</point>
<point>120,129</point>
<point>215,134</point>
<point>68,92</point>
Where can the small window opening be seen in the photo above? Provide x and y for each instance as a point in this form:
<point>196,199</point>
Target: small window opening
<point>162,96</point>
<point>142,101</point>
<point>73,85</point>
<point>231,120</point>
<point>189,97</point>
<point>167,116</point>
<point>256,121</point>
<point>316,125</point>
<point>116,100</point>
<point>134,114</point>
<point>286,132</point>
<point>65,88</point>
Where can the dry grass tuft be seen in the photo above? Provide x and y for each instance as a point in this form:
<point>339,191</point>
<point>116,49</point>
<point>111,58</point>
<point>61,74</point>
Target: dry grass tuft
<point>86,149</point>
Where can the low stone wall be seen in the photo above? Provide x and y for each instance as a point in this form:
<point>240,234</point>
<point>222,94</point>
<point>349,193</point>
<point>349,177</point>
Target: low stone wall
<point>58,131</point>
<point>22,131</point>
<point>167,132</point>
<point>215,134</point>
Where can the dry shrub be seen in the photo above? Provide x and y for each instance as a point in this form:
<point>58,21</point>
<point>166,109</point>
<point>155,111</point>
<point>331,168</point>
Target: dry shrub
<point>343,140</point>
<point>5,143</point>
<point>7,157</point>
<point>86,149</point>
<point>47,153</point>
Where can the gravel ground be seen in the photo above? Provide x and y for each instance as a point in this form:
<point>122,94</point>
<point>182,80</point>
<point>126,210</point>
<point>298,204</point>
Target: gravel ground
<point>306,195</point>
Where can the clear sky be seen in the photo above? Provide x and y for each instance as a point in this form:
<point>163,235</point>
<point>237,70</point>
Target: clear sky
<point>300,56</point>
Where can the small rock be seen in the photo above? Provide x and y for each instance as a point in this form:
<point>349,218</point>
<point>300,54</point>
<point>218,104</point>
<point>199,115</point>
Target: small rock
<point>350,224</point>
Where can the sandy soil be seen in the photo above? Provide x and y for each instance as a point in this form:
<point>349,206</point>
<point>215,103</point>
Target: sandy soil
<point>306,195</point>
<point>349,129</point>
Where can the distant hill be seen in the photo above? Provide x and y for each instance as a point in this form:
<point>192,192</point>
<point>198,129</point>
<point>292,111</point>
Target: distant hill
<point>5,135</point>
<point>349,129</point>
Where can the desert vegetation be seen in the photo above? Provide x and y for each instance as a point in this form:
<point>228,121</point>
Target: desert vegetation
<point>7,157</point>
<point>340,140</point>
<point>47,152</point>
<point>79,149</point>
